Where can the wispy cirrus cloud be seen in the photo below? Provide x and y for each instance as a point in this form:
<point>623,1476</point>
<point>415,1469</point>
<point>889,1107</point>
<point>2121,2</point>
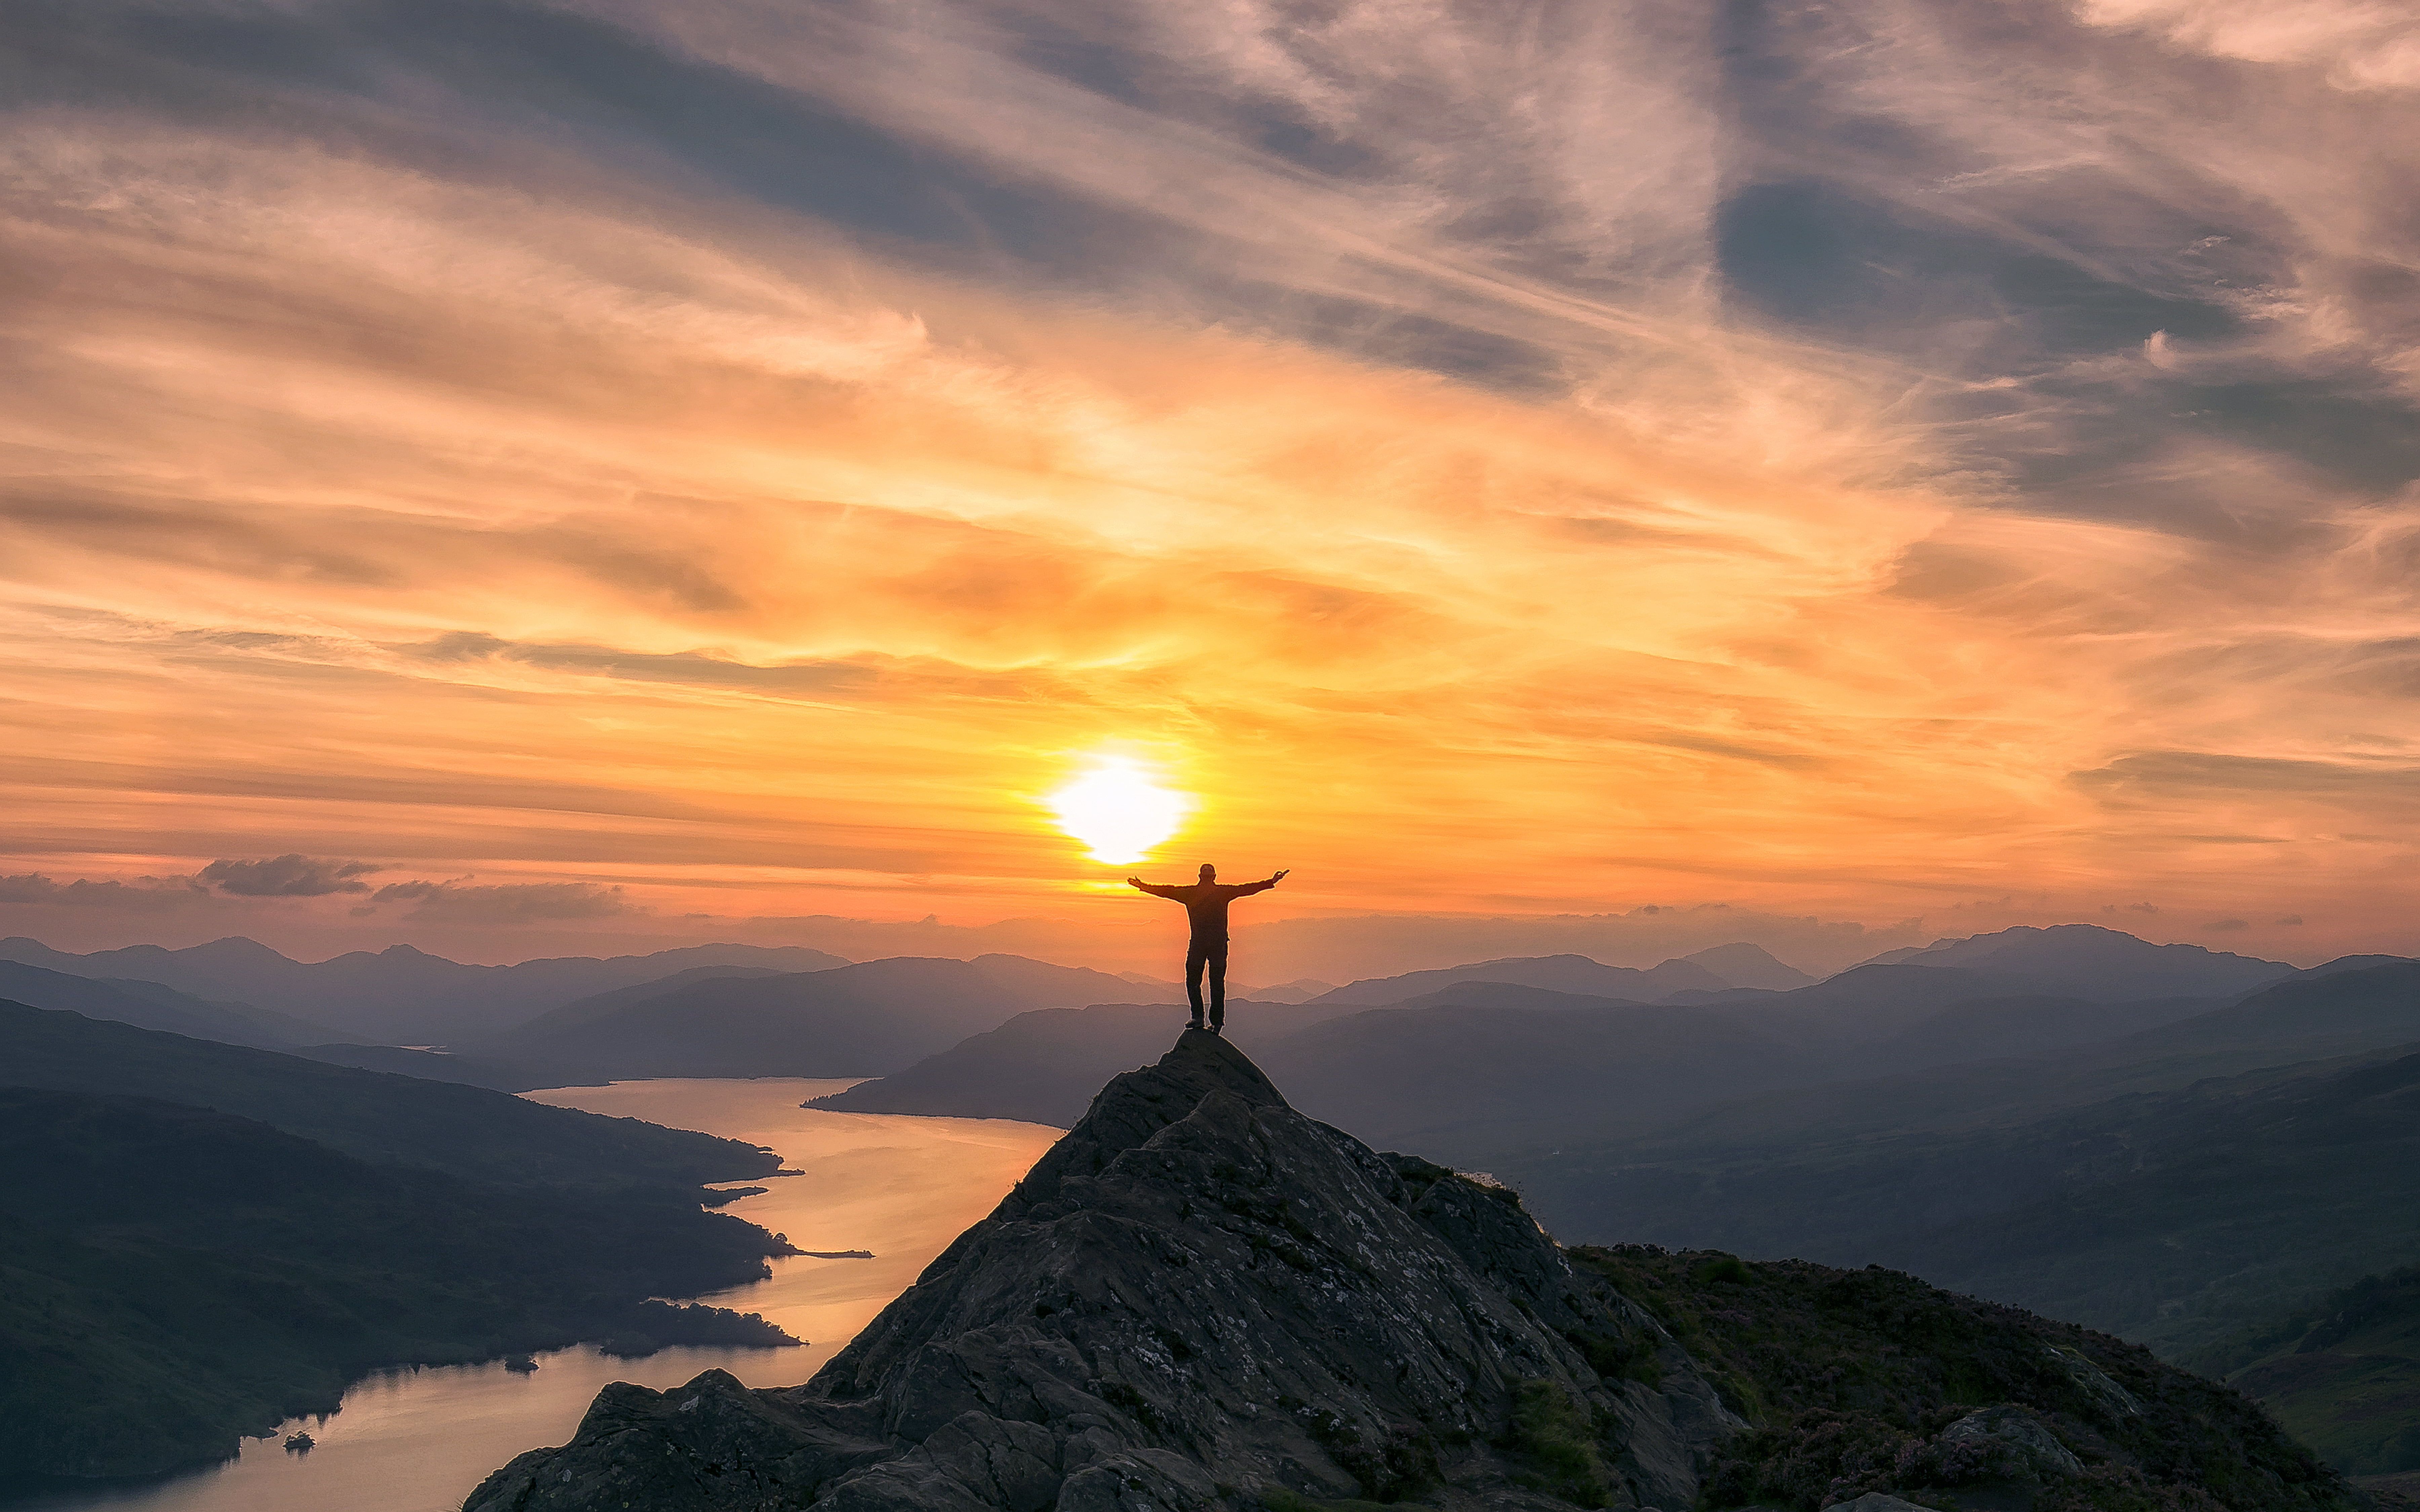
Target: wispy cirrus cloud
<point>1528,462</point>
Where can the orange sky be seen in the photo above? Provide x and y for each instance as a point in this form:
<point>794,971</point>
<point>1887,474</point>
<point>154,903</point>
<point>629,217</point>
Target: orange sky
<point>546,519</point>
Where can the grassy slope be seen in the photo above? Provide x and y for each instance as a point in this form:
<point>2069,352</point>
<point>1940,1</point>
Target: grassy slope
<point>2342,1374</point>
<point>1845,1375</point>
<point>171,1277</point>
<point>2177,1219</point>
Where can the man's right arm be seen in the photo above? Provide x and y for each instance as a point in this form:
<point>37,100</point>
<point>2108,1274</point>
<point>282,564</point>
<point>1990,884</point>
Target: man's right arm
<point>1155,889</point>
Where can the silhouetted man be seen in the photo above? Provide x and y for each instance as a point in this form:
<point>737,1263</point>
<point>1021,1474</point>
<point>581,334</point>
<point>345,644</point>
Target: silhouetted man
<point>1206,903</point>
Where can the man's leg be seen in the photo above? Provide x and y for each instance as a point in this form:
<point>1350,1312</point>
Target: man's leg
<point>1195,958</point>
<point>1217,954</point>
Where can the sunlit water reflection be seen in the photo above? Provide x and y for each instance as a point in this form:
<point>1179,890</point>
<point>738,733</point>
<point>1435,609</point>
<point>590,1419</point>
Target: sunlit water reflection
<point>418,1440</point>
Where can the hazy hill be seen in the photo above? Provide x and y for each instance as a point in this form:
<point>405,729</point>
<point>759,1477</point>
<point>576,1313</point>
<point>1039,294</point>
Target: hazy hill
<point>2104,964</point>
<point>869,1019</point>
<point>2342,1374</point>
<point>1043,1066</point>
<point>1451,1076</point>
<point>2177,1219</point>
<point>1749,966</point>
<point>1555,973</point>
<point>1486,1071</point>
<point>1479,1067</point>
<point>172,1277</point>
<point>154,1007</point>
<point>398,996</point>
<point>2173,1217</point>
<point>605,1005</point>
<point>439,1066</point>
<point>465,1131</point>
<point>1300,990</point>
<point>2295,1020</point>
<point>2327,1010</point>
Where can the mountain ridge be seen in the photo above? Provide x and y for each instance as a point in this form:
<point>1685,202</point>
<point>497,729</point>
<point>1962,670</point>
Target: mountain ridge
<point>401,994</point>
<point>152,1006</point>
<point>2095,961</point>
<point>867,1018</point>
<point>1203,1301</point>
<point>465,1131</point>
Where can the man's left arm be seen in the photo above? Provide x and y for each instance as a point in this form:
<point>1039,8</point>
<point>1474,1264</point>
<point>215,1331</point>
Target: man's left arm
<point>1264,884</point>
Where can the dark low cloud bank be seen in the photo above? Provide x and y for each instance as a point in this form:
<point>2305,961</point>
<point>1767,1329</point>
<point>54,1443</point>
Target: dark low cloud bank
<point>287,876</point>
<point>148,895</point>
<point>229,886</point>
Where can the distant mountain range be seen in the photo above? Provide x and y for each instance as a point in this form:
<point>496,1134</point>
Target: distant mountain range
<point>1472,1067</point>
<point>2168,1167</point>
<point>155,1007</point>
<point>863,1020</point>
<point>398,996</point>
<point>1555,973</point>
<point>241,992</point>
<point>2101,964</point>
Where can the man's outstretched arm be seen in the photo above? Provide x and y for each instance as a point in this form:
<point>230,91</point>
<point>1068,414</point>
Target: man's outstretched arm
<point>1154,888</point>
<point>1264,884</point>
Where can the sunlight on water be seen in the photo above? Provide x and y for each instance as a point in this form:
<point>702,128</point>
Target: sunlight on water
<point>419,1441</point>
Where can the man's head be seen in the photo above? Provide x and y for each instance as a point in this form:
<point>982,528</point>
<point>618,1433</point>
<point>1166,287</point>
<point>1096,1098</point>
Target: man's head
<point>1209,872</point>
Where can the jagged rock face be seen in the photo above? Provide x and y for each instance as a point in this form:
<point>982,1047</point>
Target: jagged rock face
<point>1198,1296</point>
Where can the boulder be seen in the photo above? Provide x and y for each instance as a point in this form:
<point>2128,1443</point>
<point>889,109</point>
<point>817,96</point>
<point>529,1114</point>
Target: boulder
<point>2006,1442</point>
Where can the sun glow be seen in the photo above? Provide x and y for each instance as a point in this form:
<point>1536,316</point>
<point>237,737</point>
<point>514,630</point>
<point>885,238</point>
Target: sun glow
<point>1117,809</point>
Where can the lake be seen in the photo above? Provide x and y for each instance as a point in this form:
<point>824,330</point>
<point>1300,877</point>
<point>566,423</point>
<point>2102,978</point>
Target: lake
<point>419,1441</point>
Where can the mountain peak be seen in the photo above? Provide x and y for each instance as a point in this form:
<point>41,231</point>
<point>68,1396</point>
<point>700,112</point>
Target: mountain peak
<point>1137,1104</point>
<point>2095,962</point>
<point>1203,1301</point>
<point>1198,1296</point>
<point>238,948</point>
<point>1745,965</point>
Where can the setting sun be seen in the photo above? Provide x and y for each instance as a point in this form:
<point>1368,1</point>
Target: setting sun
<point>1117,809</point>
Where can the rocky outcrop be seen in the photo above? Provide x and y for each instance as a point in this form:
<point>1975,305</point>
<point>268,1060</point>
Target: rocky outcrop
<point>1198,1299</point>
<point>2008,1443</point>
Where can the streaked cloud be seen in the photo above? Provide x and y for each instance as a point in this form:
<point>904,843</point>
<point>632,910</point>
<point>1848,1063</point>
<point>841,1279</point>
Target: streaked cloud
<point>1858,462</point>
<point>292,875</point>
<point>508,904</point>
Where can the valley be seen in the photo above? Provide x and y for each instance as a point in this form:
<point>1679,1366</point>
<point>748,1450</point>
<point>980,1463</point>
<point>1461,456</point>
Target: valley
<point>2183,1169</point>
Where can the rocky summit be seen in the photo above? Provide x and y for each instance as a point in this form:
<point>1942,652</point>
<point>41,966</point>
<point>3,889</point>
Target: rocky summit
<point>1198,1299</point>
<point>1201,1299</point>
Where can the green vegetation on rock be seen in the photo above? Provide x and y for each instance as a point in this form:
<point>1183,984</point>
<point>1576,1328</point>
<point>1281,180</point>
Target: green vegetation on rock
<point>1561,1438</point>
<point>1871,1380</point>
